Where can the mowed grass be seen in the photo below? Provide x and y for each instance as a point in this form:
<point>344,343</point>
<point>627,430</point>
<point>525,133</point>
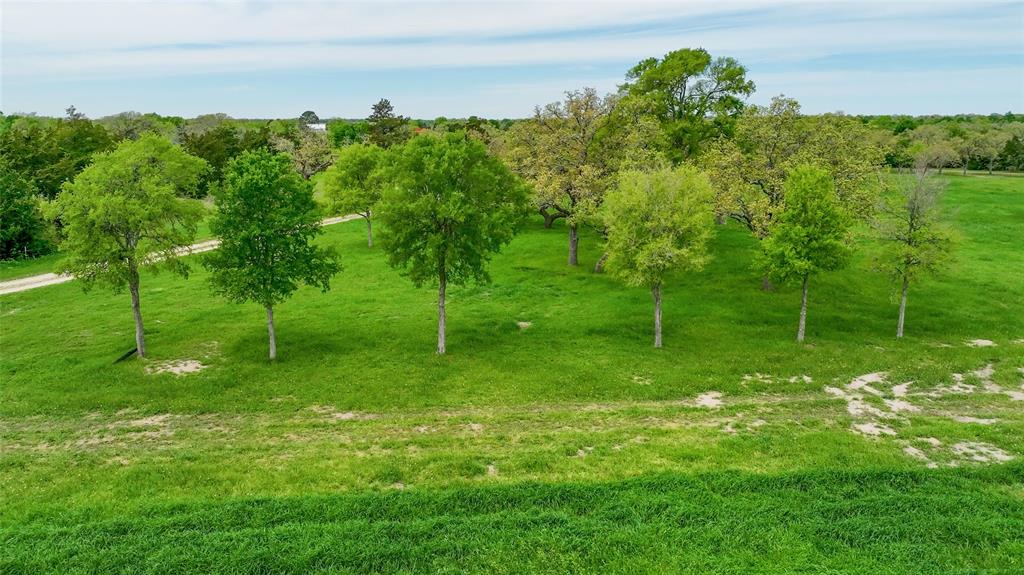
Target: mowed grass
<point>570,445</point>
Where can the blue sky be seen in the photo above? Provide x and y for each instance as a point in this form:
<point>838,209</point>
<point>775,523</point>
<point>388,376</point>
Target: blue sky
<point>496,59</point>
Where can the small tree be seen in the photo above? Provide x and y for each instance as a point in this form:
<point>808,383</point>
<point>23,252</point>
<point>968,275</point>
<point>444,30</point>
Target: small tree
<point>266,219</point>
<point>448,208</point>
<point>658,222</point>
<point>123,212</point>
<point>916,242</point>
<point>22,227</point>
<point>811,233</point>
<point>353,183</point>
<point>384,128</point>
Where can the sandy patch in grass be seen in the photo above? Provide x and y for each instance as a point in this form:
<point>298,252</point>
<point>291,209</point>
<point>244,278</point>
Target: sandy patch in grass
<point>981,452</point>
<point>711,400</point>
<point>177,367</point>
<point>980,343</point>
<point>524,324</point>
<point>872,429</point>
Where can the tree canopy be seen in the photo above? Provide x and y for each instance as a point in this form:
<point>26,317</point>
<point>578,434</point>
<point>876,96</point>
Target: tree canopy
<point>266,219</point>
<point>384,128</point>
<point>695,96</point>
<point>353,184</point>
<point>448,208</point>
<point>124,211</point>
<point>657,222</point>
<point>811,235</point>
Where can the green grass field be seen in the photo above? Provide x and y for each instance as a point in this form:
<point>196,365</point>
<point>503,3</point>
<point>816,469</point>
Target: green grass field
<point>569,445</point>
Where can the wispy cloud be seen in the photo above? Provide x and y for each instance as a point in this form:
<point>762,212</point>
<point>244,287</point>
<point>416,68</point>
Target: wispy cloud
<point>86,45</point>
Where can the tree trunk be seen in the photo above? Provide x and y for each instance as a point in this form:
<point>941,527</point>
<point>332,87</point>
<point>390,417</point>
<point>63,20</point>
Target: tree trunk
<point>549,219</point>
<point>574,240</point>
<point>721,219</point>
<point>270,331</point>
<point>140,338</point>
<point>803,313</point>
<point>940,169</point>
<point>766,283</point>
<point>369,232</point>
<point>599,266</point>
<point>903,307</point>
<point>656,292</point>
<point>965,170</point>
<point>441,315</point>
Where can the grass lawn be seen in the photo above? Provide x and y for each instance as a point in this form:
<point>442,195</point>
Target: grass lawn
<point>553,438</point>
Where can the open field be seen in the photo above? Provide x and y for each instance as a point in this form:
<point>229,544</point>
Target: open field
<point>553,438</point>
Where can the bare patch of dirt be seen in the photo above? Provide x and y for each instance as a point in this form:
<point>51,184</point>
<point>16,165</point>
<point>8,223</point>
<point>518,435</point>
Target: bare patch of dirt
<point>980,343</point>
<point>711,400</point>
<point>524,324</point>
<point>978,420</point>
<point>176,367</point>
<point>981,452</point>
<point>872,429</point>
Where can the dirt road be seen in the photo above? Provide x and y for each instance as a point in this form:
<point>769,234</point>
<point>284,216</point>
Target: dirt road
<point>42,280</point>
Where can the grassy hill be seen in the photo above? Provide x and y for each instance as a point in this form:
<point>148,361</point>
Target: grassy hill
<point>553,437</point>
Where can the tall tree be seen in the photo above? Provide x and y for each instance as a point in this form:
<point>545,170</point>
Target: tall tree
<point>267,220</point>
<point>916,242</point>
<point>384,128</point>
<point>658,222</point>
<point>554,151</point>
<point>695,96</point>
<point>353,184</point>
<point>448,208</point>
<point>123,212</point>
<point>811,235</point>
<point>309,117</point>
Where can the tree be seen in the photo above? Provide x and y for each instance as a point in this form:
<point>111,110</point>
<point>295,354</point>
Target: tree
<point>553,152</point>
<point>384,128</point>
<point>696,97</point>
<point>22,227</point>
<point>991,144</point>
<point>51,155</point>
<point>217,146</point>
<point>657,222</point>
<point>309,117</point>
<point>749,171</point>
<point>344,132</point>
<point>353,183</point>
<point>915,241</point>
<point>310,151</point>
<point>811,235</point>
<point>266,220</point>
<point>123,212</point>
<point>448,208</point>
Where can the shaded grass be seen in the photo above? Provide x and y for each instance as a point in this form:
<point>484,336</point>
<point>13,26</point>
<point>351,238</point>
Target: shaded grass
<point>726,522</point>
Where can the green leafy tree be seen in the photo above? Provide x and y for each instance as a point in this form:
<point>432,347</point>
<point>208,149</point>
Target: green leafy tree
<point>217,146</point>
<point>812,233</point>
<point>916,242</point>
<point>448,208</point>
<point>50,155</point>
<point>344,132</point>
<point>353,183</point>
<point>123,212</point>
<point>267,220</point>
<point>22,227</point>
<point>309,117</point>
<point>696,97</point>
<point>658,222</point>
<point>384,128</point>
